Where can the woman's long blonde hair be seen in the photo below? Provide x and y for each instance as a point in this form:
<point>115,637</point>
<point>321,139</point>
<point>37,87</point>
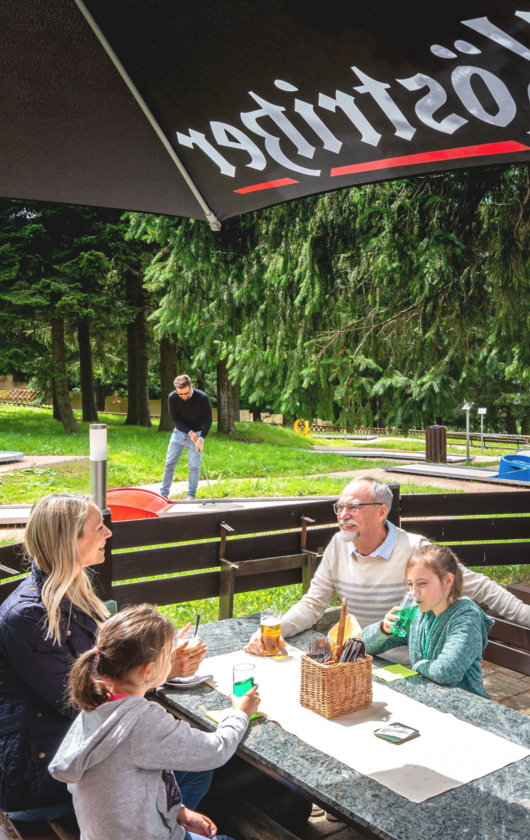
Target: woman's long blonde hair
<point>54,526</point>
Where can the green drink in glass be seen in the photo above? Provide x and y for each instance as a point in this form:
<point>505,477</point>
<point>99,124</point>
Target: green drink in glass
<point>406,612</point>
<point>243,679</point>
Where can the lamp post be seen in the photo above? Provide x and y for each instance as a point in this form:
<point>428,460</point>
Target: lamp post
<point>482,412</point>
<point>98,491</point>
<point>98,465</point>
<point>467,408</point>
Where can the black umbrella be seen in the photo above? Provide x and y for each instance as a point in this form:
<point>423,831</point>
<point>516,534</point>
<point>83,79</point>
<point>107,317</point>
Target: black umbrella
<point>189,107</point>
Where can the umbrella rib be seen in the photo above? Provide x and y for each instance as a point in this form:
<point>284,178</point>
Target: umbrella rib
<point>215,224</point>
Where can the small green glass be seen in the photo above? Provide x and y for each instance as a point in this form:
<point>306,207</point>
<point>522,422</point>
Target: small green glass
<point>406,612</point>
<point>244,681</point>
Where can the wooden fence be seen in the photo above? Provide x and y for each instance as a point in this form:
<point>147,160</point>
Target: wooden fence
<point>270,545</point>
<point>246,550</point>
<point>18,396</point>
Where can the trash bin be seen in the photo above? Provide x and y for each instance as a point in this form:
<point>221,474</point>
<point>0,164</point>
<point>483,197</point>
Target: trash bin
<point>436,445</point>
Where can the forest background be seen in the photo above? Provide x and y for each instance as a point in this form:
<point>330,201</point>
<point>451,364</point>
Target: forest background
<point>384,305</point>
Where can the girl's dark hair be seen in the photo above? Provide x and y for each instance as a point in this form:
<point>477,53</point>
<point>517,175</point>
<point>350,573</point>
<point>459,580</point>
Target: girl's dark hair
<point>440,560</point>
<point>133,637</point>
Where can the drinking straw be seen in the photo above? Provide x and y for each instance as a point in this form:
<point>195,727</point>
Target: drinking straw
<point>197,624</point>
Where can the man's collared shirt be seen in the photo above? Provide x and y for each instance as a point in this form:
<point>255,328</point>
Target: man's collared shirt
<point>385,549</point>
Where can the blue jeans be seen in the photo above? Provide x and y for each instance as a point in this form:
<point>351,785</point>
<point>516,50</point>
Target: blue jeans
<point>177,444</point>
<point>193,786</point>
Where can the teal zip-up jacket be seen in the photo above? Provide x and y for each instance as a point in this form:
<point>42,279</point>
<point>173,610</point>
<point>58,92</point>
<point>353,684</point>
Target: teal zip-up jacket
<point>450,652</point>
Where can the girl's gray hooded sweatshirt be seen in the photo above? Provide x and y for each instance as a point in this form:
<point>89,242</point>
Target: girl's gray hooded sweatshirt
<point>117,761</point>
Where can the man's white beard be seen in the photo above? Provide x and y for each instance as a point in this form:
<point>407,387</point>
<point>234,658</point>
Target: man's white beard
<point>349,536</point>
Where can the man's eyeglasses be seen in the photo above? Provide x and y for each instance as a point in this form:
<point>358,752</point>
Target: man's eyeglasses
<point>184,393</point>
<point>353,508</point>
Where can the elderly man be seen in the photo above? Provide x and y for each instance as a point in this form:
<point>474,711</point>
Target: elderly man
<point>365,562</point>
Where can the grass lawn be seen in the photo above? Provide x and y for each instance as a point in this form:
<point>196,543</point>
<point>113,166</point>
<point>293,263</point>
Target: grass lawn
<point>137,455</point>
<point>261,460</point>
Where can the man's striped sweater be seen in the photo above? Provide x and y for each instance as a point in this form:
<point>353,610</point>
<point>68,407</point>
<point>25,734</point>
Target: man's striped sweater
<point>374,584</point>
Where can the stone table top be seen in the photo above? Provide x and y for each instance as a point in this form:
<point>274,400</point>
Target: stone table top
<point>493,807</point>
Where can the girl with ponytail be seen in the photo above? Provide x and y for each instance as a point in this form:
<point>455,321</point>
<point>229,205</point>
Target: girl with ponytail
<point>116,755</point>
<point>449,632</point>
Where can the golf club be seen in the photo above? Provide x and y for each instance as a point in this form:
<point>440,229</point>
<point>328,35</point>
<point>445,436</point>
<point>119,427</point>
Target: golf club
<point>207,479</point>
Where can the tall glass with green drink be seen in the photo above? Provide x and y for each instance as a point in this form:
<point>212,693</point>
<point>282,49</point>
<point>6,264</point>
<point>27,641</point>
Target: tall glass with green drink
<point>244,680</point>
<point>405,615</point>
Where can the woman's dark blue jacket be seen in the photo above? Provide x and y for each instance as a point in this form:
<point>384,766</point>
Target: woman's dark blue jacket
<point>33,677</point>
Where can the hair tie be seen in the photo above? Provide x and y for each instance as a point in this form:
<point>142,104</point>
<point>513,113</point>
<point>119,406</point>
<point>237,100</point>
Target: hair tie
<point>96,652</point>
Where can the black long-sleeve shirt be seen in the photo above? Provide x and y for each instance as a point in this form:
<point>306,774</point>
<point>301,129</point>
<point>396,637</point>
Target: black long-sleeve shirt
<point>191,415</point>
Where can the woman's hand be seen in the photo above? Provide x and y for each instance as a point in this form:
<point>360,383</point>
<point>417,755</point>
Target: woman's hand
<point>255,644</point>
<point>248,703</point>
<point>389,620</point>
<point>186,658</point>
<point>196,823</point>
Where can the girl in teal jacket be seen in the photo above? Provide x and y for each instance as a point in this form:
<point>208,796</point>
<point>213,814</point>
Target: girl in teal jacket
<point>448,634</point>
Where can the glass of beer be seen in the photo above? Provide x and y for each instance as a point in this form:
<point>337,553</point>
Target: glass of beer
<point>271,625</point>
<point>405,615</point>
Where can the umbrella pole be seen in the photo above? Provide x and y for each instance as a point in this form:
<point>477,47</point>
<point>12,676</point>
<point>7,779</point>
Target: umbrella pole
<point>215,224</point>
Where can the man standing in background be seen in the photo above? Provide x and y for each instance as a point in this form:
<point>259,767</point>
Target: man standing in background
<point>191,413</point>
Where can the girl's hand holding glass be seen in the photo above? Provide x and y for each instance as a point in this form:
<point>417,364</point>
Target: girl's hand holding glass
<point>389,621</point>
<point>248,703</point>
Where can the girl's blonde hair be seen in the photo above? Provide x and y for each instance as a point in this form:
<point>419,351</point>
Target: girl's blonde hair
<point>442,561</point>
<point>55,524</point>
<point>128,640</point>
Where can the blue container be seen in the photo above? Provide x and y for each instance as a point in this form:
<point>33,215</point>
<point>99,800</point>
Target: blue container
<point>516,466</point>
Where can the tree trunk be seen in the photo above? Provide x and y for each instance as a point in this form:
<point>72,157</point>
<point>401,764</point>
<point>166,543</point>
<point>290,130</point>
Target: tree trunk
<point>168,372</point>
<point>88,399</point>
<point>138,413</point>
<point>56,414</point>
<point>142,370</point>
<point>60,380</point>
<point>227,401</point>
<point>510,421</point>
<point>100,396</point>
<point>201,381</point>
<point>234,399</point>
<point>132,380</point>
<point>525,425</point>
<point>256,414</point>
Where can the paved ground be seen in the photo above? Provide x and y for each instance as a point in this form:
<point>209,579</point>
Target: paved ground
<point>40,461</point>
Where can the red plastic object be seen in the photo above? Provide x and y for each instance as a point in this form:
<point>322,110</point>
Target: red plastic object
<point>134,503</point>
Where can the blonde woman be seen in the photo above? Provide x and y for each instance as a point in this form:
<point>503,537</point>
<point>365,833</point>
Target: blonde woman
<point>45,624</point>
<point>50,619</point>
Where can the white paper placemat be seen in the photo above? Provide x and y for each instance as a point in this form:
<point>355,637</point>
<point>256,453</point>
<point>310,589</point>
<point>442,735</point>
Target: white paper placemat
<point>448,753</point>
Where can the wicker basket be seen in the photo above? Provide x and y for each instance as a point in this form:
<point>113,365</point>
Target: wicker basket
<point>334,690</point>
